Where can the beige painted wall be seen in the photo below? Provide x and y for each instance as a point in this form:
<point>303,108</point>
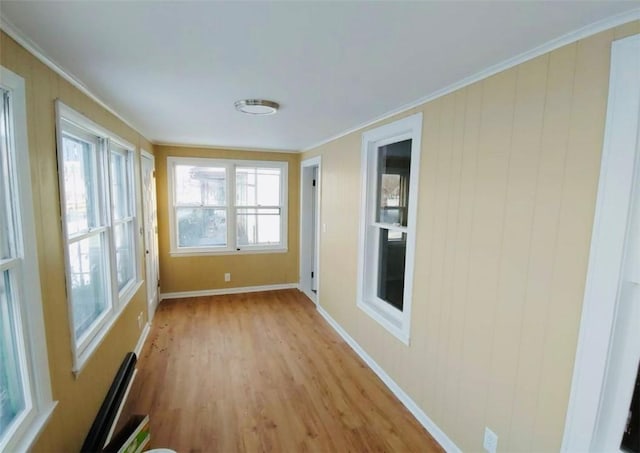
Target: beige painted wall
<point>508,183</point>
<point>192,273</point>
<point>79,398</point>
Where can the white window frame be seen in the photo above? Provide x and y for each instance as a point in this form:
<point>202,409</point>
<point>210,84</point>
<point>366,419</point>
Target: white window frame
<point>397,322</point>
<point>40,405</point>
<point>68,119</point>
<point>232,248</point>
<point>128,153</point>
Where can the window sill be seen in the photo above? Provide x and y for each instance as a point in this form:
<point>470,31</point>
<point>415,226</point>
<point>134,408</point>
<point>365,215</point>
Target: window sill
<point>393,325</point>
<point>179,254</point>
<point>80,360</point>
<point>26,440</point>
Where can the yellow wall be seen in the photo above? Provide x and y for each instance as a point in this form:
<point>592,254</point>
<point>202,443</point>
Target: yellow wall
<point>508,182</point>
<point>192,273</point>
<point>79,398</point>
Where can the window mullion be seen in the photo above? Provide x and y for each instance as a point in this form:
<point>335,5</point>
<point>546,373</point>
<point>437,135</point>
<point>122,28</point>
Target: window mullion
<point>110,220</point>
<point>232,210</point>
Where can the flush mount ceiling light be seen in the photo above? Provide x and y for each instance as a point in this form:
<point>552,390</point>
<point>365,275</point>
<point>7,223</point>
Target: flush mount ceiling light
<point>257,106</point>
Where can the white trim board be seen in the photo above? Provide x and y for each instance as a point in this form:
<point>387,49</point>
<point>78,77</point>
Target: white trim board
<point>405,399</point>
<point>315,161</point>
<point>549,46</point>
<point>226,148</point>
<point>223,291</point>
<point>612,211</point>
<point>142,339</point>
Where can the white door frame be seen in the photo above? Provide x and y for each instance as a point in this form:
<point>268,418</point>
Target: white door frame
<point>152,301</point>
<point>306,231</point>
<point>620,161</point>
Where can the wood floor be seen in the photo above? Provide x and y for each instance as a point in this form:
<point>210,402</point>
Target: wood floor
<point>263,372</point>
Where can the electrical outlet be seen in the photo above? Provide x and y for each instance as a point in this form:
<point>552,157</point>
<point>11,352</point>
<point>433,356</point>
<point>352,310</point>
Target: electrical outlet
<point>490,443</point>
<point>140,320</point>
<point>227,277</point>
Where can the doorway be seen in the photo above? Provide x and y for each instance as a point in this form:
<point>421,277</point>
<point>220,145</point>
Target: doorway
<point>602,407</point>
<point>310,196</point>
<point>150,226</point>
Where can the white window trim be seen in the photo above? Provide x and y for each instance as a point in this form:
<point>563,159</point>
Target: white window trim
<point>395,321</point>
<point>587,421</point>
<point>82,350</point>
<point>232,248</point>
<point>25,433</point>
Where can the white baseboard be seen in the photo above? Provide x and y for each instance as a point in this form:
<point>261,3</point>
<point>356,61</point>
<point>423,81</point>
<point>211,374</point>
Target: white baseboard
<point>222,291</point>
<point>143,337</point>
<point>418,413</point>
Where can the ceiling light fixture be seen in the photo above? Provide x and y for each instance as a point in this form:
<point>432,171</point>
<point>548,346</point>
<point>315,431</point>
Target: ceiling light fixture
<point>257,106</point>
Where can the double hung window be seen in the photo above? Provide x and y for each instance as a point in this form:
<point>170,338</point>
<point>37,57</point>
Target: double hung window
<point>390,162</point>
<point>225,206</point>
<point>25,389</point>
<point>97,192</point>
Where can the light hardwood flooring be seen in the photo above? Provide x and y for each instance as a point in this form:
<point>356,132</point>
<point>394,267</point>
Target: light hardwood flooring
<point>263,372</point>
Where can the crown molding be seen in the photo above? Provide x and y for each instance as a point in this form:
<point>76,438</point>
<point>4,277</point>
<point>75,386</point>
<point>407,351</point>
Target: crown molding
<point>227,148</point>
<point>547,47</point>
<point>16,34</point>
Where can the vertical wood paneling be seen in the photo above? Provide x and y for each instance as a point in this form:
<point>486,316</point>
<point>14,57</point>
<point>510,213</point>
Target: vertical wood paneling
<point>516,242</point>
<point>425,242</point>
<point>436,276</point>
<point>459,302</point>
<point>493,159</point>
<point>445,358</point>
<point>545,218</point>
<point>508,182</point>
<point>582,164</point>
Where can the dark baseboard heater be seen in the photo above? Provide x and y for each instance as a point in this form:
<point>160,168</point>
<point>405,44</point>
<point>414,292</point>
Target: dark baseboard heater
<point>107,418</point>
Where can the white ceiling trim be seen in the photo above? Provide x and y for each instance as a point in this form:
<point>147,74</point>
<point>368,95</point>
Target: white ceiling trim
<point>15,33</point>
<point>229,148</point>
<point>554,44</point>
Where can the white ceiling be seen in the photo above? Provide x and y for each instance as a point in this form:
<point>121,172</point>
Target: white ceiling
<point>174,69</point>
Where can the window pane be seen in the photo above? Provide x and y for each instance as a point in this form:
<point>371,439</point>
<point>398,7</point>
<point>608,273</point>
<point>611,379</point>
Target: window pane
<point>124,253</point>
<point>119,185</point>
<point>257,186</point>
<point>7,237</point>
<point>258,226</point>
<point>394,163</point>
<point>80,184</point>
<point>89,287</point>
<point>199,186</point>
<point>198,227</point>
<point>391,261</point>
<point>12,397</point>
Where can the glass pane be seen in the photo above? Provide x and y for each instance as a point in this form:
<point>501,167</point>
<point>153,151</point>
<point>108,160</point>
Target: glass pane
<point>391,260</point>
<point>124,253</point>
<point>394,164</point>
<point>12,396</point>
<point>257,186</point>
<point>89,287</point>
<point>7,237</point>
<point>119,185</point>
<point>258,226</point>
<point>80,184</point>
<point>199,186</point>
<point>202,227</point>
